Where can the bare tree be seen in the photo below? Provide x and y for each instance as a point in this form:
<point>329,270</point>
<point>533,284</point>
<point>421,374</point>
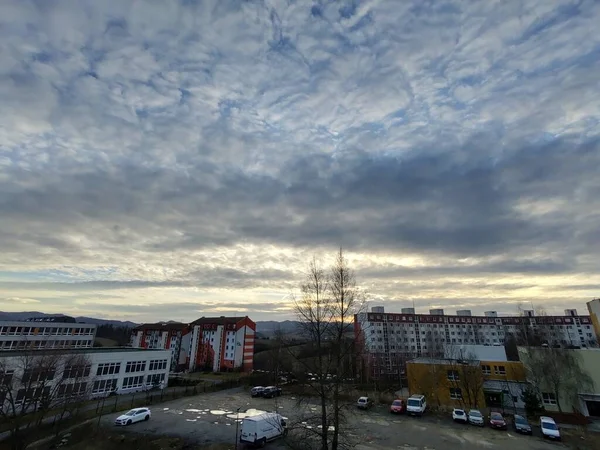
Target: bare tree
<point>557,371</point>
<point>325,309</point>
<point>464,372</point>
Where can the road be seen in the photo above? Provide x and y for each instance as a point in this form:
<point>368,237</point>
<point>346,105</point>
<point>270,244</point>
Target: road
<point>211,419</point>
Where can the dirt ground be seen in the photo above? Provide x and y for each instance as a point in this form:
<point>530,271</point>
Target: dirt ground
<point>210,419</point>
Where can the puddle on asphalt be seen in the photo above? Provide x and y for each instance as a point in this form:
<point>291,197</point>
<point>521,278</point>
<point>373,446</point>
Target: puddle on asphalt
<point>218,412</point>
<point>165,409</point>
<point>194,410</point>
<point>249,413</point>
<point>190,420</point>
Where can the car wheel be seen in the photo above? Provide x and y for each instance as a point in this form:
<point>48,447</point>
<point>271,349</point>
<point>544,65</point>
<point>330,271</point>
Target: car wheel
<point>128,422</point>
<point>147,418</point>
<point>262,442</point>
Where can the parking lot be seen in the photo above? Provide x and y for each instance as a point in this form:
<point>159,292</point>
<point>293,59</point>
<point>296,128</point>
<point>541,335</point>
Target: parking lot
<point>211,419</point>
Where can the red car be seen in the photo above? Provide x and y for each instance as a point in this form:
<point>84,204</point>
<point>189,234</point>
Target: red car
<point>398,407</point>
<point>497,421</point>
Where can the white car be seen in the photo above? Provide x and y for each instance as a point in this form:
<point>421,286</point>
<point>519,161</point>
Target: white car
<point>257,391</point>
<point>133,416</point>
<point>549,428</point>
<point>476,418</point>
<point>459,415</point>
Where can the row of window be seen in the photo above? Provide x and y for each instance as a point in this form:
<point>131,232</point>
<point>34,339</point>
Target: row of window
<point>156,364</point>
<point>135,366</point>
<point>44,331</point>
<point>108,368</point>
<point>21,344</point>
<point>72,390</point>
<point>102,386</point>
<point>133,382</point>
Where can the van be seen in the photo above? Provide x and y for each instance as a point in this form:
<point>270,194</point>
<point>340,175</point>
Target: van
<point>416,405</point>
<point>260,429</point>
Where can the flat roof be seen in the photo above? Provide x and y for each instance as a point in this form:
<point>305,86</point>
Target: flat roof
<point>60,351</point>
<point>444,361</point>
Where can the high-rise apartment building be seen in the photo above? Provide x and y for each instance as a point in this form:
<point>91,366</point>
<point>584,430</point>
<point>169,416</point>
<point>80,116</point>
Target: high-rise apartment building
<point>390,339</point>
<point>209,343</point>
<point>594,309</point>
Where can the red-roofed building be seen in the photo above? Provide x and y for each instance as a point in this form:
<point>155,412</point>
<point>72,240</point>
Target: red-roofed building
<point>209,343</point>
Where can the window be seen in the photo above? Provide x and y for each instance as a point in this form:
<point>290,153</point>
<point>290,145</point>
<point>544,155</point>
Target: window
<point>500,370</point>
<point>455,393</point>
<point>548,398</point>
<point>37,375</point>
<point>133,382</point>
<point>135,366</point>
<point>76,371</point>
<point>72,389</point>
<point>158,364</point>
<point>6,377</point>
<point>453,375</point>
<point>155,379</point>
<point>102,386</point>
<point>486,370</point>
<point>108,368</point>
<point>27,395</point>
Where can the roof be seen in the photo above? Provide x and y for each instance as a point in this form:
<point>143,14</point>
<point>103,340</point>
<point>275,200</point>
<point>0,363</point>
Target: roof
<point>162,326</point>
<point>77,351</point>
<point>473,351</point>
<point>217,320</point>
<point>443,361</point>
<point>261,416</point>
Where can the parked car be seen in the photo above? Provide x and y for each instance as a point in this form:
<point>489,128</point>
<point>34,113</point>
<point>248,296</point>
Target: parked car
<point>133,416</point>
<point>416,405</point>
<point>497,421</point>
<point>521,425</point>
<point>398,407</point>
<point>271,391</point>
<point>260,429</point>
<point>364,403</point>
<point>476,418</point>
<point>549,428</point>
<point>459,415</point>
<point>257,391</point>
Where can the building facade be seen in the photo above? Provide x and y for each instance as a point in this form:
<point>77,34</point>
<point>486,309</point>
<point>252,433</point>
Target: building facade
<point>594,310</point>
<point>173,336</point>
<point>209,343</point>
<point>451,383</point>
<point>46,333</point>
<point>222,343</point>
<point>29,376</point>
<point>391,339</point>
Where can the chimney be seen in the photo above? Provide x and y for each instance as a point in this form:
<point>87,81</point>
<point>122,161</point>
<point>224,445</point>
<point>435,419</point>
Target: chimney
<point>463,312</point>
<point>407,310</point>
<point>436,312</point>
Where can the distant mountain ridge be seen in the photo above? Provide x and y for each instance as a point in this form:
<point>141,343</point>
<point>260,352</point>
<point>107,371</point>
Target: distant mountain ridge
<point>266,327</point>
<point>24,315</point>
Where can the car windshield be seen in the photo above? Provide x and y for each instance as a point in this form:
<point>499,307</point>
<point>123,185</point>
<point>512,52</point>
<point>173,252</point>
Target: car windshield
<point>459,412</point>
<point>475,413</point>
<point>362,400</point>
<point>414,402</point>
<point>397,403</point>
<point>496,416</point>
<point>549,426</point>
<point>521,420</point>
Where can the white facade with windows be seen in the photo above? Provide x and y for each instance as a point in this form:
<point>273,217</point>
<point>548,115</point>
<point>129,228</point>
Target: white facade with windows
<point>390,339</point>
<point>100,372</point>
<point>20,335</point>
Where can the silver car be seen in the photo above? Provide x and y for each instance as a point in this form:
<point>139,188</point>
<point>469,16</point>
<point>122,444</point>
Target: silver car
<point>476,418</point>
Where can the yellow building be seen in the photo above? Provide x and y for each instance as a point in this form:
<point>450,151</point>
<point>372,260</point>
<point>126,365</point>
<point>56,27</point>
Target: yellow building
<point>467,383</point>
<point>594,309</point>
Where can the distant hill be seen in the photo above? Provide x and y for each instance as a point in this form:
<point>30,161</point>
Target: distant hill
<point>30,314</point>
<point>269,327</point>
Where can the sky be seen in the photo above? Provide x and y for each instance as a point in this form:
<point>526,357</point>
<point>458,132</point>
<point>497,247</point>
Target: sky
<point>171,160</point>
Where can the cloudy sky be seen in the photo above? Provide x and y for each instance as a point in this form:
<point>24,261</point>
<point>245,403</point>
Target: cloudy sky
<point>165,160</point>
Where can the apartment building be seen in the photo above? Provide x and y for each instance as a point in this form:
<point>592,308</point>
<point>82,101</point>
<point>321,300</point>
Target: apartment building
<point>46,333</point>
<point>222,343</point>
<point>391,339</point>
<point>173,336</point>
<point>594,310</point>
<point>209,343</point>
<point>52,374</point>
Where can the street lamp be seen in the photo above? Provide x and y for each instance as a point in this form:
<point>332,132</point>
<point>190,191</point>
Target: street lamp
<point>237,423</point>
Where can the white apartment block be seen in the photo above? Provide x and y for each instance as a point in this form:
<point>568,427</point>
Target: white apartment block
<point>173,336</point>
<point>45,334</point>
<point>389,339</point>
<point>98,372</point>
